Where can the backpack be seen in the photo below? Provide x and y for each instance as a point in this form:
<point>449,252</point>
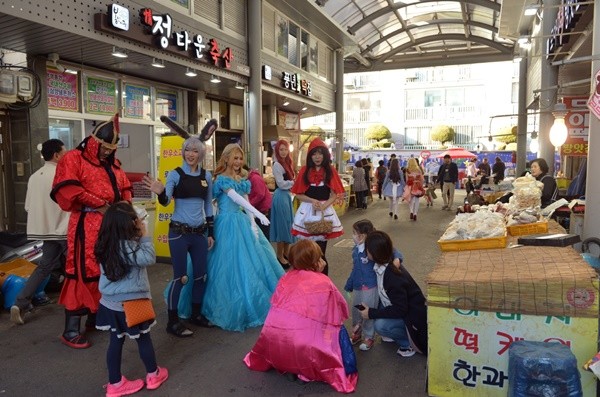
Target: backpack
<point>381,171</point>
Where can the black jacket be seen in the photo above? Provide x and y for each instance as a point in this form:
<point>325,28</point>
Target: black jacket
<point>408,303</point>
<point>452,172</point>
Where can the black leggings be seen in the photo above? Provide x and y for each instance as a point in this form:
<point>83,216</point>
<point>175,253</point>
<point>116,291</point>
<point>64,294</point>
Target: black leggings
<point>115,350</point>
<point>323,246</point>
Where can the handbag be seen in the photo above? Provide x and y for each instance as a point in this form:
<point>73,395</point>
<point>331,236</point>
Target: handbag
<point>321,226</point>
<point>137,311</point>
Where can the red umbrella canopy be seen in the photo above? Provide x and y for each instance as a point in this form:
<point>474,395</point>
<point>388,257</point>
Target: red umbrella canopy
<point>458,153</point>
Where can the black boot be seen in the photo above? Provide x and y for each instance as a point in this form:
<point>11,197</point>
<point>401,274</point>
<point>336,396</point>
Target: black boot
<point>175,327</point>
<point>71,336</point>
<point>197,317</point>
<point>90,322</point>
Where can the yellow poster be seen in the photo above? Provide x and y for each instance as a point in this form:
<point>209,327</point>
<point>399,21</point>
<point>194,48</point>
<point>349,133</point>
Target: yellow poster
<point>468,349</point>
<point>170,158</point>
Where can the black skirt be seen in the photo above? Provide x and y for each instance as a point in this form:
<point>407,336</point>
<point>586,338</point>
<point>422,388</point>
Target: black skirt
<point>114,321</point>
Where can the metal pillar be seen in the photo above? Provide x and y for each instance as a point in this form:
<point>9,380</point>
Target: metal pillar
<point>548,97</point>
<point>254,107</point>
<point>339,108</point>
<point>591,222</point>
<point>522,120</point>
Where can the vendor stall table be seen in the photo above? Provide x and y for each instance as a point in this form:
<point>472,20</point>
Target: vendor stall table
<point>480,301</point>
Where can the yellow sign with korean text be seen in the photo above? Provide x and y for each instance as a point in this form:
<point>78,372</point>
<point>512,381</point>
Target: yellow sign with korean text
<point>170,158</point>
<point>468,349</point>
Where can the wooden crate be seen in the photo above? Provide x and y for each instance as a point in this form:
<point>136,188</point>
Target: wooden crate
<point>528,228</point>
<point>475,244</point>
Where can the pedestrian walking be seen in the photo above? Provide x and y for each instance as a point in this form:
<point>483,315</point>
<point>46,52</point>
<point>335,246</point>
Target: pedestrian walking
<point>45,221</point>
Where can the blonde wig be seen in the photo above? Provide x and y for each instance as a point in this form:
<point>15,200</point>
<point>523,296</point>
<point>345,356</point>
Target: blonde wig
<point>227,154</point>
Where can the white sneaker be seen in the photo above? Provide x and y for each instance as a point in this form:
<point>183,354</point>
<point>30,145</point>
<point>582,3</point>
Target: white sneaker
<point>15,315</point>
<point>406,352</point>
<point>386,339</point>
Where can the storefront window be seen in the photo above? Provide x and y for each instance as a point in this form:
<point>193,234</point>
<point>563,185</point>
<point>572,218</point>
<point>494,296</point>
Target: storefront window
<point>304,51</point>
<point>282,36</point>
<point>293,44</point>
<point>68,131</point>
<point>313,57</point>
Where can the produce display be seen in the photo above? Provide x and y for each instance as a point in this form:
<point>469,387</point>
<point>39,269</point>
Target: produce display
<point>481,224</point>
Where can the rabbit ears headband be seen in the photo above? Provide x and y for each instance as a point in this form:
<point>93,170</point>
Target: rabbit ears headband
<point>207,131</point>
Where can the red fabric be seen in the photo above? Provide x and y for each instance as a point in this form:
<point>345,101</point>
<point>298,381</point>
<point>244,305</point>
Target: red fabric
<point>328,236</point>
<point>301,332</point>
<point>81,182</point>
<point>260,196</point>
<point>315,177</point>
<point>287,162</point>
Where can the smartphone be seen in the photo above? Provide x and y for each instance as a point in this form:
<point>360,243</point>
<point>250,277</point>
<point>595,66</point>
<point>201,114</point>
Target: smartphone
<point>360,307</point>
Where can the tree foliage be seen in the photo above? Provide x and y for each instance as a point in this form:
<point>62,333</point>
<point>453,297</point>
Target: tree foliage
<point>506,134</point>
<point>378,132</point>
<point>442,134</point>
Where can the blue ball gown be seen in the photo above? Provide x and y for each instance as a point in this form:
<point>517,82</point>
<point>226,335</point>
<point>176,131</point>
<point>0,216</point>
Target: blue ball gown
<point>243,270</point>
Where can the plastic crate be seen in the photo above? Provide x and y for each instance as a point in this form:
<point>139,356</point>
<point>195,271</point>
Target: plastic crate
<point>475,244</point>
<point>528,228</point>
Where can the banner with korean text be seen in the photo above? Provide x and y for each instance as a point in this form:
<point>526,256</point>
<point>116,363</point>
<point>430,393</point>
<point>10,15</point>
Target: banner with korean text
<point>468,349</point>
<point>577,121</point>
<point>170,158</point>
<point>63,91</point>
<point>101,96</point>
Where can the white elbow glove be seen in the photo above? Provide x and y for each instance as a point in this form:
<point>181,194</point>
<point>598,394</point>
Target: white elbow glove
<point>239,200</point>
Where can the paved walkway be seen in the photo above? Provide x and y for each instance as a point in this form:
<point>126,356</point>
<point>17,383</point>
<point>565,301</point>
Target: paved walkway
<point>34,363</point>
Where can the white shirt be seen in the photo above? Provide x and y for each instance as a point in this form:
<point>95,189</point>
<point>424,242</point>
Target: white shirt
<point>383,298</point>
<point>45,219</point>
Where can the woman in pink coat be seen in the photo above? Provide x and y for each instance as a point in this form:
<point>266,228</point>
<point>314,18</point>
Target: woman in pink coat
<point>304,327</point>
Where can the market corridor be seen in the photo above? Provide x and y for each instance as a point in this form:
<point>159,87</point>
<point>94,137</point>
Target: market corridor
<point>34,362</point>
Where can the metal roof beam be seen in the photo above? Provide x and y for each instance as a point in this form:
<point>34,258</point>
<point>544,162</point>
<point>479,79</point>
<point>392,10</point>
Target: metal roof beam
<point>491,28</point>
<point>391,8</point>
<point>455,37</point>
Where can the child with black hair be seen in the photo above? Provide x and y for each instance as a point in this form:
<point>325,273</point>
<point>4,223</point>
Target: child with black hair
<point>124,250</point>
<point>401,314</point>
<point>362,282</point>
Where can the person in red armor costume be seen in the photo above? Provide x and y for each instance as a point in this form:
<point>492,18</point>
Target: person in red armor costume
<point>88,180</point>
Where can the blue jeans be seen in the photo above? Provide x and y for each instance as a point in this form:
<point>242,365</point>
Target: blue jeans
<point>393,328</point>
<point>197,246</point>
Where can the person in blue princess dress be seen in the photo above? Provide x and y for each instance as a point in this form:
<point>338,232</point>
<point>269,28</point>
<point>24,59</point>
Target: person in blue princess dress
<point>243,270</point>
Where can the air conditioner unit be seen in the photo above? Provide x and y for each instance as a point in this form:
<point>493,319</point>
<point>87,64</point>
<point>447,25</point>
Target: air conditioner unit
<point>15,85</point>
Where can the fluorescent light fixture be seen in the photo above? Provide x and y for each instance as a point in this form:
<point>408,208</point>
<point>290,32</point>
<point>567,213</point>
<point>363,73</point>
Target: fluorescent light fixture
<point>304,107</point>
<point>285,102</point>
<point>214,79</point>
<point>119,52</point>
<point>531,9</point>
<point>158,63</point>
<point>239,86</point>
<point>71,71</point>
<point>190,72</point>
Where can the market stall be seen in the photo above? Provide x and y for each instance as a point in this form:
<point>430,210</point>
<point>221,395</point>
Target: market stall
<point>480,301</point>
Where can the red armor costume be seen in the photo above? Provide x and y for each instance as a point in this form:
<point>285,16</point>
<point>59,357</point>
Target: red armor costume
<point>88,179</point>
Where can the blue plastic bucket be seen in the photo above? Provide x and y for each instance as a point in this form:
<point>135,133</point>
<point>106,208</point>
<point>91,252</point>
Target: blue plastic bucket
<point>13,285</point>
<point>594,261</point>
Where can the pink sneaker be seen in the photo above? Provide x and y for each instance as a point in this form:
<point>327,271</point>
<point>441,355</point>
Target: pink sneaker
<point>154,381</point>
<point>125,388</point>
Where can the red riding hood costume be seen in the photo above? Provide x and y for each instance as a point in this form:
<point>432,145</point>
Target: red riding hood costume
<point>317,188</point>
<point>83,185</point>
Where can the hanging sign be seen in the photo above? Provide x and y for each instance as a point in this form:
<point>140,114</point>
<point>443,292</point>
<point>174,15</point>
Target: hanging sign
<point>63,91</point>
<point>577,121</point>
<point>137,101</point>
<point>593,102</point>
<point>101,96</point>
<point>166,104</point>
